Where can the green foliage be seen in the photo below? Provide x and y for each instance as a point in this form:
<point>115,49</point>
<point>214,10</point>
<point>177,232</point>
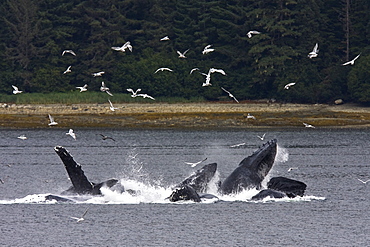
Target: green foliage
<point>35,33</point>
<point>359,80</point>
<point>87,98</point>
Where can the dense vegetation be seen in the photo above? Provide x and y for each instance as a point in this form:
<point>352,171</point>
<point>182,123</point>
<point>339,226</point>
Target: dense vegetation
<point>35,32</point>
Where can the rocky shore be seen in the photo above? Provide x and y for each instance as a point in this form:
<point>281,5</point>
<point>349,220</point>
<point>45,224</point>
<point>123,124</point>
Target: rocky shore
<point>187,115</point>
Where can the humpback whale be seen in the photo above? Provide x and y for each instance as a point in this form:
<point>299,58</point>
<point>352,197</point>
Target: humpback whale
<point>184,193</point>
<point>80,183</point>
<point>279,187</point>
<point>249,174</point>
<point>193,187</point>
<point>200,179</point>
<point>251,170</point>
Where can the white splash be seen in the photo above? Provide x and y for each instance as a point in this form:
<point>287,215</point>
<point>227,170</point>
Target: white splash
<point>282,155</point>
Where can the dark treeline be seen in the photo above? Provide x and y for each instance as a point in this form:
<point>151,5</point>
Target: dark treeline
<point>35,32</point>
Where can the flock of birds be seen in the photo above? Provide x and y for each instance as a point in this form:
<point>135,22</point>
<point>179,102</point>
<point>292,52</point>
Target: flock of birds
<point>207,49</point>
<point>135,93</point>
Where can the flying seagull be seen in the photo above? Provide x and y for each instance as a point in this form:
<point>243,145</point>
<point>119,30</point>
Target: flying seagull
<point>314,52</point>
<point>308,125</point>
<point>133,93</point>
<point>16,91</point>
<point>100,73</point>
<point>82,217</point>
<point>352,62</point>
<point>250,33</point>
<point>364,182</point>
<point>208,76</point>
<point>145,96</point>
<point>238,145</point>
<point>208,80</point>
<point>111,107</point>
<point>22,137</point>
<point>262,137</point>
<point>103,88</point>
<point>163,69</point>
<point>230,94</point>
<point>123,48</point>
<point>68,51</point>
<point>196,163</point>
<point>165,38</point>
<point>68,70</point>
<point>207,49</point>
<point>71,133</point>
<point>182,55</point>
<point>292,168</point>
<point>104,137</point>
<point>287,86</point>
<point>191,71</point>
<point>213,70</point>
<point>83,89</point>
<point>52,122</point>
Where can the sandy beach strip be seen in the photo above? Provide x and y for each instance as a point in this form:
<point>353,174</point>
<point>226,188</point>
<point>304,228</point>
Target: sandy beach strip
<point>184,115</point>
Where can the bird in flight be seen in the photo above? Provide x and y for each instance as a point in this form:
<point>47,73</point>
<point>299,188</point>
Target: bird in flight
<point>165,38</point>
<point>292,168</point>
<point>103,88</point>
<point>68,70</point>
<point>213,70</point>
<point>111,107</point>
<point>182,55</point>
<point>163,69</point>
<point>195,163</point>
<point>83,89</point>
<point>123,48</point>
<point>68,51</point>
<point>133,93</point>
<point>362,181</point>
<point>144,95</point>
<point>230,94</point>
<point>82,217</point>
<point>191,71</point>
<point>314,52</point>
<point>100,73</point>
<point>22,137</point>
<point>104,137</point>
<point>308,125</point>
<point>71,133</point>
<point>250,33</point>
<point>238,145</point>
<point>287,86</point>
<point>208,76</point>
<point>207,49</point>
<point>16,91</point>
<point>352,62</point>
<point>208,80</point>
<point>52,122</point>
<point>262,137</point>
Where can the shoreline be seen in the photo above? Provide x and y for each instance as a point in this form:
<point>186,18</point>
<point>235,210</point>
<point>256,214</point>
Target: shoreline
<point>185,115</point>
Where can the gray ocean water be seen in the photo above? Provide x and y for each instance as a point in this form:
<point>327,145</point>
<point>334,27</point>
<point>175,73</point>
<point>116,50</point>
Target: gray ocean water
<point>334,211</point>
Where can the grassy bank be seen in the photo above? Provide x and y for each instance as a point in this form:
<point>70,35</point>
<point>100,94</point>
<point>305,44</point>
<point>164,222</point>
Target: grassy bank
<point>183,115</point>
<point>85,98</point>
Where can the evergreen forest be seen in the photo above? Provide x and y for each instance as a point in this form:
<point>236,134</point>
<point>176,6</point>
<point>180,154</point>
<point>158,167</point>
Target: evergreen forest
<point>34,33</point>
